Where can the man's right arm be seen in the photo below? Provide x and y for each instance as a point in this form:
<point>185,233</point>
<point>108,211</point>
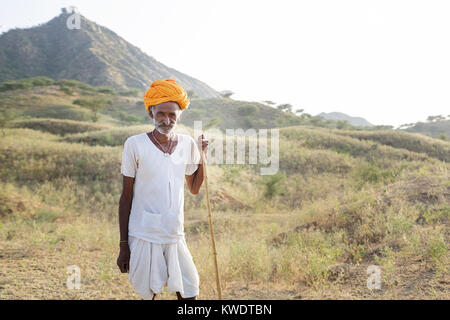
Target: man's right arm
<point>126,199</point>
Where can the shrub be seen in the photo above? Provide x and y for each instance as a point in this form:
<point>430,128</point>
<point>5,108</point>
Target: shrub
<point>66,90</point>
<point>247,110</point>
<point>107,91</point>
<point>41,81</point>
<point>272,186</point>
<point>75,84</point>
<point>25,83</point>
<point>14,85</point>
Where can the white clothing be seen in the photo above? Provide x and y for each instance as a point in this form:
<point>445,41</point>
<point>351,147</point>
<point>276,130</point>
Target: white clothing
<point>157,211</point>
<point>154,264</point>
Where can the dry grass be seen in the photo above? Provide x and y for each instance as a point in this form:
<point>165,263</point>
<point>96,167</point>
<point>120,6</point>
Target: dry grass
<point>336,212</point>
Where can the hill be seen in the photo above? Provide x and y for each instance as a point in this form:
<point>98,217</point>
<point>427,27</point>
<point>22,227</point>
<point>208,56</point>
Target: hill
<point>92,54</point>
<point>354,121</point>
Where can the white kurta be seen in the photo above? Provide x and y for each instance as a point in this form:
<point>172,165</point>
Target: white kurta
<point>157,211</point>
<point>159,253</point>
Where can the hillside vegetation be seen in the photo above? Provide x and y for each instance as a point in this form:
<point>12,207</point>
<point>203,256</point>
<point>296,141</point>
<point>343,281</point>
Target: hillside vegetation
<point>38,102</point>
<point>433,129</point>
<point>342,200</point>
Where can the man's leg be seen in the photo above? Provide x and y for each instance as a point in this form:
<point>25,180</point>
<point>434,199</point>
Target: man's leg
<point>189,272</point>
<point>181,298</point>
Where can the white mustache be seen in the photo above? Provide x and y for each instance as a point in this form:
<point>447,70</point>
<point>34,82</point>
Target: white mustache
<point>161,124</point>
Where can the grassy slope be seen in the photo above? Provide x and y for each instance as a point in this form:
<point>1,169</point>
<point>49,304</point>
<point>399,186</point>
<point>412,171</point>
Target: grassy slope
<point>345,202</point>
<point>51,102</point>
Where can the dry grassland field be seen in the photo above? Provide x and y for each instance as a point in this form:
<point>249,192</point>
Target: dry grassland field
<point>343,200</point>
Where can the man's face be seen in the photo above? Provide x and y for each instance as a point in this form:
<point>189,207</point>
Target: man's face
<point>165,116</point>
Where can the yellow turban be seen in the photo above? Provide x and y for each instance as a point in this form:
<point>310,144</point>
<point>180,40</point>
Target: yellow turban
<point>165,90</point>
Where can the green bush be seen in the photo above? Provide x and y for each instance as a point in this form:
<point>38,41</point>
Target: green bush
<point>75,84</point>
<point>107,91</point>
<point>41,81</point>
<point>82,102</point>
<point>272,185</point>
<point>373,174</point>
<point>25,83</point>
<point>66,90</point>
<point>247,110</point>
<point>13,85</point>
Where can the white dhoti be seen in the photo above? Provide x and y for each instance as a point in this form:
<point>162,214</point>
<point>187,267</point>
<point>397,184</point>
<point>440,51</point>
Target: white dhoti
<point>152,265</point>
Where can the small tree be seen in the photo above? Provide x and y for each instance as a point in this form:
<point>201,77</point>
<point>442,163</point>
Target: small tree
<point>285,107</point>
<point>435,118</point>
<point>269,103</point>
<point>405,125</point>
<point>272,187</point>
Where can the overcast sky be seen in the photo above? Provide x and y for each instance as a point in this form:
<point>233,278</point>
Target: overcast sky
<point>385,61</point>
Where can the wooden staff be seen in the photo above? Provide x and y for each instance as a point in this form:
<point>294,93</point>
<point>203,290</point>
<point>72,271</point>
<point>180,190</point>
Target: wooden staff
<point>205,175</point>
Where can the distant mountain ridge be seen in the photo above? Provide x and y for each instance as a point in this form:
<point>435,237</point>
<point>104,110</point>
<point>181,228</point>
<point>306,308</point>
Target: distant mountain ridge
<point>92,54</point>
<point>354,121</point>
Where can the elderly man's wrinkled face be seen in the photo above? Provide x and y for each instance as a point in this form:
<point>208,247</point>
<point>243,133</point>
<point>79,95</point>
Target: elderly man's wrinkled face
<point>165,116</point>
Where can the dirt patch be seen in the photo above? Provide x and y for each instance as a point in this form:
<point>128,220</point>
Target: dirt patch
<point>13,203</point>
<point>222,198</point>
<point>13,254</point>
<point>282,238</point>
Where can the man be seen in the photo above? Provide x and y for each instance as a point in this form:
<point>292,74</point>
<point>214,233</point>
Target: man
<point>153,249</point>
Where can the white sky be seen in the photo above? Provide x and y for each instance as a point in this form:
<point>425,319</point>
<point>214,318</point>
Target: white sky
<point>386,61</point>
